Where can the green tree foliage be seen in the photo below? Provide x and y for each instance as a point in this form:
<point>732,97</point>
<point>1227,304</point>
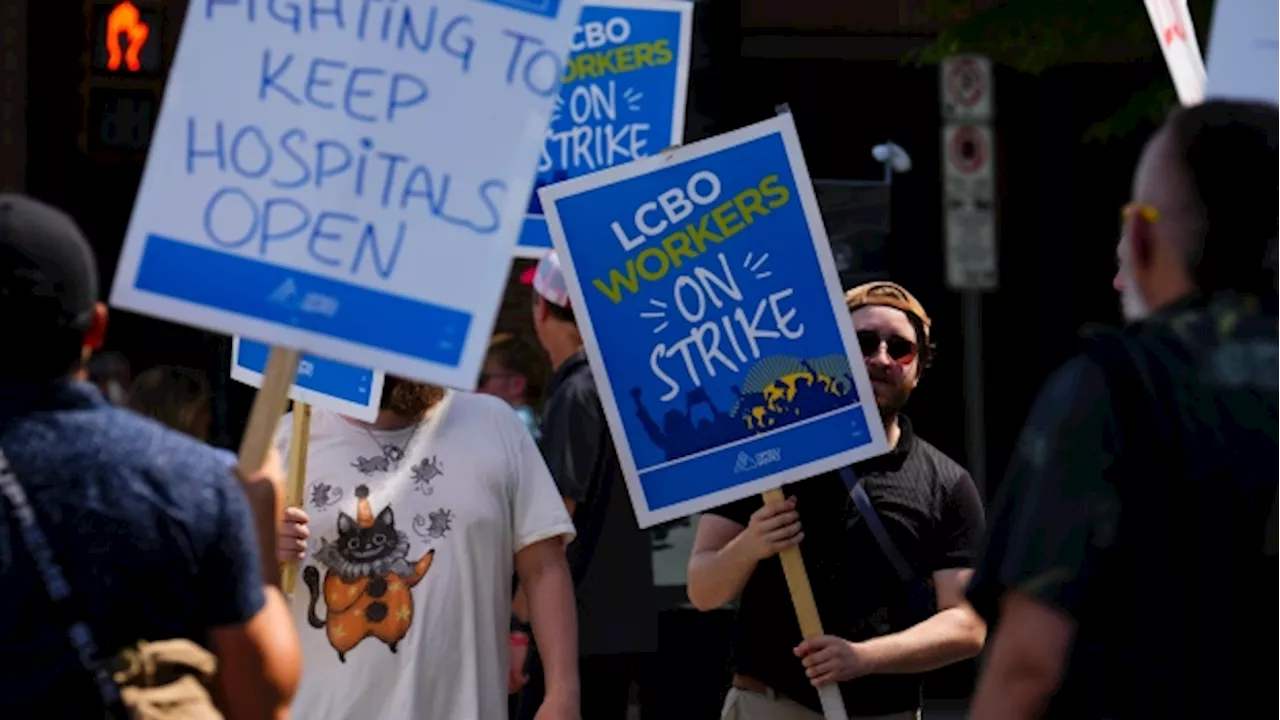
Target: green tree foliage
<point>1034,35</point>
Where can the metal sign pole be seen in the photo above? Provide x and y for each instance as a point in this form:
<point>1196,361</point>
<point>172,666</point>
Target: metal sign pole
<point>968,176</point>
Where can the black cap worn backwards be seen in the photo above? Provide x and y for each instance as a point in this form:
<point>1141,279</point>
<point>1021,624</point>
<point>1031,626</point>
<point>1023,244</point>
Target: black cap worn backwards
<point>48,274</point>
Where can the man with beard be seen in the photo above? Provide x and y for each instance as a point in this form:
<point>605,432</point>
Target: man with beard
<point>889,582</point>
<point>1130,568</point>
<point>411,531</point>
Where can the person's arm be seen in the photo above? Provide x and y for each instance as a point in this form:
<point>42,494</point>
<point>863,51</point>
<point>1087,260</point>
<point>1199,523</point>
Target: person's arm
<point>1025,660</point>
<point>956,632</point>
<point>1054,515</point>
<point>952,634</point>
<point>544,575</point>
<point>259,663</point>
<point>572,428</point>
<point>542,528</point>
<point>725,552</point>
<point>250,630</point>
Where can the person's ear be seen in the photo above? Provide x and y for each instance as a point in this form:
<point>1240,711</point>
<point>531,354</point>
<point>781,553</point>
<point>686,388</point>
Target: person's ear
<point>96,334</point>
<point>1141,243</point>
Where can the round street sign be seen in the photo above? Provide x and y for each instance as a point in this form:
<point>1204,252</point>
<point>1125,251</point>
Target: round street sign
<point>967,150</point>
<point>966,82</point>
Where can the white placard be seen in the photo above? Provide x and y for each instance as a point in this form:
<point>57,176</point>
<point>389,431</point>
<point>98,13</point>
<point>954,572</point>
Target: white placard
<point>348,184</point>
<point>1176,34</point>
<point>1243,59</point>
<point>329,385</point>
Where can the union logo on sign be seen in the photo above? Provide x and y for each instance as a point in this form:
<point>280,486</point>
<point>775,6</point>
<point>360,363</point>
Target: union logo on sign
<point>967,149</point>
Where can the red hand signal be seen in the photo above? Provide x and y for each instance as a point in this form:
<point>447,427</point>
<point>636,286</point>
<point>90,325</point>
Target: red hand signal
<point>125,19</point>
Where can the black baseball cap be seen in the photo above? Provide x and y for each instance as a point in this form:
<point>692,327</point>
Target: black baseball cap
<point>48,273</point>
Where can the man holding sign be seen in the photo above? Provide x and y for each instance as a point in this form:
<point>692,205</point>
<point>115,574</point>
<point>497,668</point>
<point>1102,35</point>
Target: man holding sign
<point>883,631</point>
<point>704,285</point>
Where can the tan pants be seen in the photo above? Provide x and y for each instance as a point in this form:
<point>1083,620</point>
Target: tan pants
<point>746,705</point>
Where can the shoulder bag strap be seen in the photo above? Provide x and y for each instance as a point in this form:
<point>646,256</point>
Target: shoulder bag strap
<point>874,524</point>
<point>919,594</point>
<point>56,585</point>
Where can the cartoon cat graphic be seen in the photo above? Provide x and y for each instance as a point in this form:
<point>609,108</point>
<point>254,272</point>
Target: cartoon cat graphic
<point>367,580</point>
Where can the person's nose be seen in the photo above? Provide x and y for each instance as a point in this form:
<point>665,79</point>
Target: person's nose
<point>879,358</point>
<point>1117,282</point>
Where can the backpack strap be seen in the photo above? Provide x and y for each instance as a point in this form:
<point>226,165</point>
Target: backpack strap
<point>59,591</point>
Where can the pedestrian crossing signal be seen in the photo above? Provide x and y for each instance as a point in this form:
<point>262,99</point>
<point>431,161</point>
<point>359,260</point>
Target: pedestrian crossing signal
<point>126,34</point>
<point>126,38</point>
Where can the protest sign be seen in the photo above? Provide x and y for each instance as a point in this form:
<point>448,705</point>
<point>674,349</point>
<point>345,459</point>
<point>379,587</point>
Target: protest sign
<point>713,318</point>
<point>1244,62</point>
<point>1171,19</point>
<point>327,384</point>
<point>622,96</point>
<point>346,180</point>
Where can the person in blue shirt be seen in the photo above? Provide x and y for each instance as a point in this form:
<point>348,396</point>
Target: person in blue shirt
<point>152,531</point>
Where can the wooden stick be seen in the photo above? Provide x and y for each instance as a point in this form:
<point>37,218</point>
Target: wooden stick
<point>297,478</point>
<point>266,500</point>
<point>807,613</point>
<point>268,406</point>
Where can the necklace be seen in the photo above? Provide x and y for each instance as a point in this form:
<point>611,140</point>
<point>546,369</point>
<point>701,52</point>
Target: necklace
<point>391,455</point>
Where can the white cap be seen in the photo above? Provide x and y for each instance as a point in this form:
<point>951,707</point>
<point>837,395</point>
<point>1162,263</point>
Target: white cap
<point>547,279</point>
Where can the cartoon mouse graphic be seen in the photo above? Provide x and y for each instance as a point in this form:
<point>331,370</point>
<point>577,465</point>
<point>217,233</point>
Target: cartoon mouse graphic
<point>367,580</point>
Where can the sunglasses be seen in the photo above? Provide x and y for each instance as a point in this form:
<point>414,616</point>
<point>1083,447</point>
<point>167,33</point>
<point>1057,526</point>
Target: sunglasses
<point>900,349</point>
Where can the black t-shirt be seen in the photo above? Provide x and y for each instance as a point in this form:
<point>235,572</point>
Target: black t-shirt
<point>931,509</point>
<point>617,602</point>
<point>1153,540</point>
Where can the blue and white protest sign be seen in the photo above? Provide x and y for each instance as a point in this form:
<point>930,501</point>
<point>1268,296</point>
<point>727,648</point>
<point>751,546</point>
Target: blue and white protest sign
<point>327,384</point>
<point>703,284</point>
<point>1244,51</point>
<point>346,179</point>
<point>622,96</point>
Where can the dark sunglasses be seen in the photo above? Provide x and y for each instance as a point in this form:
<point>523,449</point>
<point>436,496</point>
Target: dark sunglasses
<point>902,350</point>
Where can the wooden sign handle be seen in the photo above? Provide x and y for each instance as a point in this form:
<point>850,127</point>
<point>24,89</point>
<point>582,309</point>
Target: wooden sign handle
<point>297,479</point>
<point>266,499</point>
<point>807,613</point>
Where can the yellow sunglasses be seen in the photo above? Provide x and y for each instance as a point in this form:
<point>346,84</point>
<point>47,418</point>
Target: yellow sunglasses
<point>1148,213</point>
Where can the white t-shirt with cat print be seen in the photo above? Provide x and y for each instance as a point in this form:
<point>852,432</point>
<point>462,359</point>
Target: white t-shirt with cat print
<point>403,602</point>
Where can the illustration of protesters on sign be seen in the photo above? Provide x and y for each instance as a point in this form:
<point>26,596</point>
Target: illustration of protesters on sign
<point>709,303</point>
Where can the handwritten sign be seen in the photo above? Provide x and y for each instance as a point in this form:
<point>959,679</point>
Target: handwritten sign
<point>622,96</point>
<point>352,391</point>
<point>714,321</point>
<point>1244,62</point>
<point>346,179</point>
